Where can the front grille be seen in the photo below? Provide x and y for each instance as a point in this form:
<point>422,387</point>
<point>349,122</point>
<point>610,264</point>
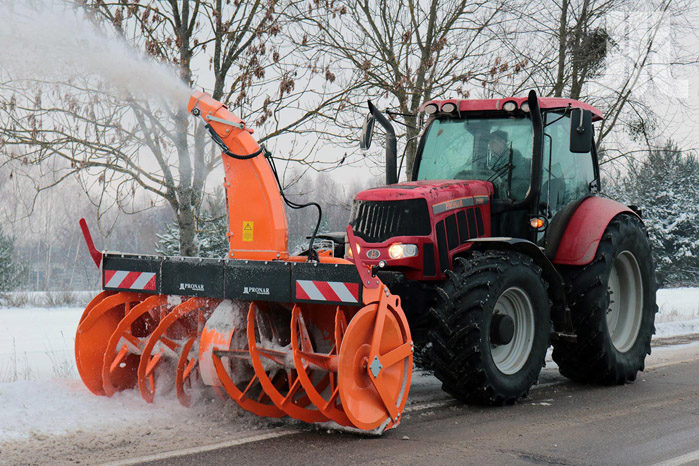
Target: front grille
<point>377,221</point>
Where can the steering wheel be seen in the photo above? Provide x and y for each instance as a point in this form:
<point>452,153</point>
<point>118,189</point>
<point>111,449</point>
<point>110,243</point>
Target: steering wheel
<point>497,177</point>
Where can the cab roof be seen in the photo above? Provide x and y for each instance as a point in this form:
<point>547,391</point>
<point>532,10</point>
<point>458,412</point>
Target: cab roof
<point>475,105</point>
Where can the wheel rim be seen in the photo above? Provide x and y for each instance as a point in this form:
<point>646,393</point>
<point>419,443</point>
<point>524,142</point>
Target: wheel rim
<point>625,310</point>
<point>510,358</point>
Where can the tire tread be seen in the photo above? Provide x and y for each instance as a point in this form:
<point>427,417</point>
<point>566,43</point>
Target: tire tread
<point>593,359</point>
<point>456,356</point>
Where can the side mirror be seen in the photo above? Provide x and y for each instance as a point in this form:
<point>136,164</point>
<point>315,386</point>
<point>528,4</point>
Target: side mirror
<point>367,132</point>
<point>580,131</point>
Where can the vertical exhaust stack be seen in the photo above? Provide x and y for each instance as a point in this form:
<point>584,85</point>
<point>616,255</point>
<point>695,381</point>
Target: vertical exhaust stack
<point>391,145</point>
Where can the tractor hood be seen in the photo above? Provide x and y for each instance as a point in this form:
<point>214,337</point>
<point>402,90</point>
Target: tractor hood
<point>434,219</point>
<point>435,192</point>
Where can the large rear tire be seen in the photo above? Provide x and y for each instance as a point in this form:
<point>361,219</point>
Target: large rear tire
<point>613,307</point>
<point>491,328</point>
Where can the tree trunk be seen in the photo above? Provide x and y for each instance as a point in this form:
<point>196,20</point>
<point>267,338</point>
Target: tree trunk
<point>187,223</point>
<point>578,77</point>
<point>411,141</point>
<point>562,45</point>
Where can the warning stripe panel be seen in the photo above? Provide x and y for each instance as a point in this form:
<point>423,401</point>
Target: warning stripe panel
<point>347,292</point>
<point>315,290</point>
<point>108,275</point>
<point>300,293</point>
<point>327,291</point>
<point>129,280</point>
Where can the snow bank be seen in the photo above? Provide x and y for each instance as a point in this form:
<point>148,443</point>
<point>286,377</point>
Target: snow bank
<point>678,312</point>
<point>37,343</point>
<point>676,304</point>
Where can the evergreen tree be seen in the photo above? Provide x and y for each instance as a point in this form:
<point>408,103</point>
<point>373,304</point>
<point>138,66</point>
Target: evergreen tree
<point>10,271</point>
<point>210,234</point>
<point>666,187</point>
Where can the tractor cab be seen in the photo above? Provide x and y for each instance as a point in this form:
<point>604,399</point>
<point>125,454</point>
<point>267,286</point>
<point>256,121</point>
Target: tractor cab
<point>495,140</point>
<point>533,158</point>
<point>494,149</point>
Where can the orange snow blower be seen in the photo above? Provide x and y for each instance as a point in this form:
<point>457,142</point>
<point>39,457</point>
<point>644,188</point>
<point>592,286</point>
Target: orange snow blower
<point>313,337</point>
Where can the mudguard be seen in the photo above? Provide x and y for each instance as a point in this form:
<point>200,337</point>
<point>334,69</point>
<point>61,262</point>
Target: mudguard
<point>584,231</point>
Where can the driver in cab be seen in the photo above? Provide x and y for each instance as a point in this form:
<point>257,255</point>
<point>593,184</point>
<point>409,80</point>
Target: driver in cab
<point>500,150</point>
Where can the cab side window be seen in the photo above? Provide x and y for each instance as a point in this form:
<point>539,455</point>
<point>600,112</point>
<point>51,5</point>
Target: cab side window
<point>567,176</point>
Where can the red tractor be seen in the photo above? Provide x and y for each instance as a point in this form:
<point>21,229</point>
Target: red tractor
<point>500,245</point>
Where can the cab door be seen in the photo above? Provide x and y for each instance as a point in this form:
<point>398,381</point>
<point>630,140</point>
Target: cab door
<point>567,177</point>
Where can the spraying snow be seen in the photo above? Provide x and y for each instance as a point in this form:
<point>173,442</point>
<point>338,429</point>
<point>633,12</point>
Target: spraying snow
<point>49,41</point>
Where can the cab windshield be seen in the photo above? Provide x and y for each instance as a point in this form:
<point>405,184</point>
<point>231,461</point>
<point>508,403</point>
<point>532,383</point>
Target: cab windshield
<point>492,149</point>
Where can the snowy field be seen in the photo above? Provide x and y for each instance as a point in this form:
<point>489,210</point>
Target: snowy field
<point>41,395</point>
<point>37,344</point>
<point>678,312</point>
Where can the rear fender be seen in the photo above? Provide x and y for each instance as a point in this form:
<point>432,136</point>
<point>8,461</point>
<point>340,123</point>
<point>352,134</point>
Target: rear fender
<point>560,314</point>
<point>584,231</point>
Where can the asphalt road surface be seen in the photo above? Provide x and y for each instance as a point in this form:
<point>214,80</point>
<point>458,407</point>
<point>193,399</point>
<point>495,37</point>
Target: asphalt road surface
<point>654,421</point>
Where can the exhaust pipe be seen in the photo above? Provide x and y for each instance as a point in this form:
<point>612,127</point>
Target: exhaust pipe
<point>391,145</point>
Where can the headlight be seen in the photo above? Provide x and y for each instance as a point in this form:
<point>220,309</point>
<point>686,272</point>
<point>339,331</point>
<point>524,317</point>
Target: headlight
<point>348,249</point>
<point>431,108</point>
<point>510,106</point>
<point>449,107</point>
<point>399,251</point>
<point>525,106</point>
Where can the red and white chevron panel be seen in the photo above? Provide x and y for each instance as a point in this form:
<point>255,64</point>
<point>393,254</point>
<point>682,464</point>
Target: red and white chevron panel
<point>125,279</point>
<point>327,291</point>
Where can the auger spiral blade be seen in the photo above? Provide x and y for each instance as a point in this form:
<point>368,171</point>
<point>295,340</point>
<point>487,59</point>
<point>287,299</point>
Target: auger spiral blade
<point>97,325</point>
<point>268,330</point>
<point>308,355</point>
<point>175,340</point>
<point>125,346</point>
<point>310,363</point>
<point>224,360</point>
<point>95,301</point>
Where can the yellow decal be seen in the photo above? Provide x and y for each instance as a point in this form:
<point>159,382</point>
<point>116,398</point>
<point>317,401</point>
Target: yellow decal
<point>248,228</point>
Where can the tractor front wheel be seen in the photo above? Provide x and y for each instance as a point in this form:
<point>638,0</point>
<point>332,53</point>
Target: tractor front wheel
<point>491,328</point>
<point>612,302</point>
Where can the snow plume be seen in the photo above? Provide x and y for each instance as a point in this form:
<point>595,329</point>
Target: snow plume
<point>47,40</point>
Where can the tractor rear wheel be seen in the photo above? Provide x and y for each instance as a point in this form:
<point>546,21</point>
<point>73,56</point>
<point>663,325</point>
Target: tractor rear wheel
<point>491,328</point>
<point>613,307</point>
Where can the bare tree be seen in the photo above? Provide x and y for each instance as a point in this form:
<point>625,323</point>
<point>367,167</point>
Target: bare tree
<point>121,144</point>
<point>609,53</point>
<point>409,50</point>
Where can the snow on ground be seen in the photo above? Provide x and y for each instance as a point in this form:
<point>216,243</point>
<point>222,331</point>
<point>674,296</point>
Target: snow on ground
<point>42,397</point>
<point>59,422</point>
<point>678,312</point>
<point>32,408</point>
<point>37,343</point>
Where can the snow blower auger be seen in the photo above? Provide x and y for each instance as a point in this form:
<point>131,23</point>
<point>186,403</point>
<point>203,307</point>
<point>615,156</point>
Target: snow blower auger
<point>313,337</point>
